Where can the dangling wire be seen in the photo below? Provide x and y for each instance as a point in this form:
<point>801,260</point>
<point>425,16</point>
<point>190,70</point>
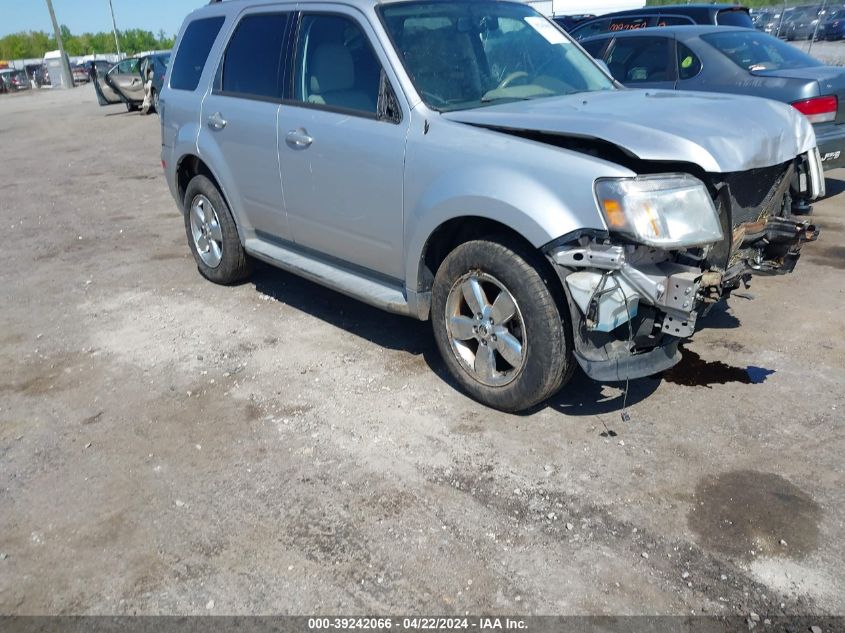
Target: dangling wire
<point>624,415</point>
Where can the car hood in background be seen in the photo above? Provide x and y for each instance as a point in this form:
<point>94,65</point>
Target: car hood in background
<point>720,133</point>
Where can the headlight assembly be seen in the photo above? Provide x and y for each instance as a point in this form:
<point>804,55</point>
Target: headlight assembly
<point>666,211</point>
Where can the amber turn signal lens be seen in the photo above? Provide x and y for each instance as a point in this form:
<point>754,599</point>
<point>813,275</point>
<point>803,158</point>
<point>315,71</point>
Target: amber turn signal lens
<point>613,212</point>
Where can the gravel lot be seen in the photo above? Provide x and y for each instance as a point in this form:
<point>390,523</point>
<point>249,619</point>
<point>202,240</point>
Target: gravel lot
<point>832,53</point>
<point>170,446</point>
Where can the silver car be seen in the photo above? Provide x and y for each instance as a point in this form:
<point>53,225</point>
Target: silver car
<point>468,163</point>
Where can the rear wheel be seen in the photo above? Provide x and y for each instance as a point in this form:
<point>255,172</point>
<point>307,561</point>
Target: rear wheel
<point>497,325</point>
<point>212,234</point>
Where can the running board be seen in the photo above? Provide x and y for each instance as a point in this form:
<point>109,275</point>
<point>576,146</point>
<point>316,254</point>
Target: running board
<point>379,294</point>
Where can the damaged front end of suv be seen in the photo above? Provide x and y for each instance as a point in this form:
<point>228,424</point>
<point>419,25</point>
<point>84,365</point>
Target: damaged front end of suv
<point>674,246</point>
<point>702,204</point>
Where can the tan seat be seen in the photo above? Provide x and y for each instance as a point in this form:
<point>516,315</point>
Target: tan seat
<point>332,80</point>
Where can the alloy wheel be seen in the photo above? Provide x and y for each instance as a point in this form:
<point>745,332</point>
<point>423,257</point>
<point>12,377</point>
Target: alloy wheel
<point>486,329</point>
<point>206,231</point>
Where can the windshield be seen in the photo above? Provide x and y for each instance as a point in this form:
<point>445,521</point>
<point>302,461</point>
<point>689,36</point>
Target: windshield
<point>754,51</point>
<point>464,55</point>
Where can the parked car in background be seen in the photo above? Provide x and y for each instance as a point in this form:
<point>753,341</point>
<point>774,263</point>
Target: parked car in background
<point>767,21</point>
<point>737,61</point>
<point>801,23</point>
<point>465,162</point>
<point>568,22</point>
<point>670,15</point>
<point>833,27</point>
<point>15,80</point>
<point>124,82</point>
<point>80,74</point>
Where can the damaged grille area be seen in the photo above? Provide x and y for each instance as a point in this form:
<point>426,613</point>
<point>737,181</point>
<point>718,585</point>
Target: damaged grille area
<point>755,196</point>
<point>764,237</point>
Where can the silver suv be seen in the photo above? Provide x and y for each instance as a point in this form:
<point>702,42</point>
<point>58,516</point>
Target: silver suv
<point>468,163</point>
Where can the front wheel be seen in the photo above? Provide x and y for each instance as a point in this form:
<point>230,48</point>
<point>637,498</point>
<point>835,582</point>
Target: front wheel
<point>498,327</point>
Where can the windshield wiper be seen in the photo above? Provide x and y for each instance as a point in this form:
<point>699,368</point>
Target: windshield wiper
<point>491,99</point>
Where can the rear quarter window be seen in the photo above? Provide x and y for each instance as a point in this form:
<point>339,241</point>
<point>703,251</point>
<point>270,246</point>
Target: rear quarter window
<point>734,17</point>
<point>192,53</point>
<point>674,20</point>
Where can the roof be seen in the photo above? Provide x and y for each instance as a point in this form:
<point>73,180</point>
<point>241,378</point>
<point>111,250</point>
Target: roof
<point>679,8</point>
<point>218,7</point>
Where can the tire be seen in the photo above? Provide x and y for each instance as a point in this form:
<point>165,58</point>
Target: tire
<point>131,107</point>
<point>155,100</point>
<point>545,361</point>
<point>220,257</point>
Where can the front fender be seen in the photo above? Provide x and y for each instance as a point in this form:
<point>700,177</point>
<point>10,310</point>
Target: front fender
<point>453,170</point>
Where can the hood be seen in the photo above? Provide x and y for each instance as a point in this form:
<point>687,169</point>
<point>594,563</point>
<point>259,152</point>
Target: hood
<point>720,133</point>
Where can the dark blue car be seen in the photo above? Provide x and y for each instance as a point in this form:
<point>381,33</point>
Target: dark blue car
<point>833,28</point>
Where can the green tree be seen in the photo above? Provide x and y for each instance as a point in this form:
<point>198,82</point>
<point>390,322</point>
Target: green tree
<point>33,44</point>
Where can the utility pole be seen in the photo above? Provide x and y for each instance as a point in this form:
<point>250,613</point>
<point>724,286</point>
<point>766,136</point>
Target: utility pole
<point>816,30</point>
<point>67,79</point>
<point>114,29</point>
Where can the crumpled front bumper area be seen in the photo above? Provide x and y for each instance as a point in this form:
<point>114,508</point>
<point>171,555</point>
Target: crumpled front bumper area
<point>631,305</point>
<point>629,311</point>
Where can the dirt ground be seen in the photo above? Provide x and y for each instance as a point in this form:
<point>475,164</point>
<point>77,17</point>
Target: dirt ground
<point>171,446</point>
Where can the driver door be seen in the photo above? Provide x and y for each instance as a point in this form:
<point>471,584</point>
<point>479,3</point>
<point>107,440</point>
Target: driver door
<point>122,83</point>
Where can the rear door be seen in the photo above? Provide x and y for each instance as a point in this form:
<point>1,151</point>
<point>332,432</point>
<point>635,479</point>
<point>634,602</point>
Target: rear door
<point>239,119</point>
<point>642,62</point>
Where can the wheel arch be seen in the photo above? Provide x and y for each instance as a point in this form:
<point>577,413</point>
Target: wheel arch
<point>190,165</point>
<point>458,230</point>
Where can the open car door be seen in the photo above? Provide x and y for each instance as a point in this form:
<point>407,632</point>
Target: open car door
<point>121,84</point>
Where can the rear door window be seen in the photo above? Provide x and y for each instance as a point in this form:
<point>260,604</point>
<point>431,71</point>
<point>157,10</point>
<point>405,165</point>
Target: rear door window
<point>193,53</point>
<point>632,23</point>
<point>640,59</point>
<point>252,65</point>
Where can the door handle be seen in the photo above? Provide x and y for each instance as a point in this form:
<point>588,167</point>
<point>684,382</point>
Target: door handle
<point>298,139</point>
<point>216,121</point>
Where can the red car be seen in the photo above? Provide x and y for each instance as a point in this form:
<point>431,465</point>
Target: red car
<point>80,75</point>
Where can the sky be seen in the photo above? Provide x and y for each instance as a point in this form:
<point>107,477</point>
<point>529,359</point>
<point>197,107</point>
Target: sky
<point>83,16</point>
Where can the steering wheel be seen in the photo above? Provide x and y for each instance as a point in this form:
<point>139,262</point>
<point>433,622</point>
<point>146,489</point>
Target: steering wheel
<point>507,81</point>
